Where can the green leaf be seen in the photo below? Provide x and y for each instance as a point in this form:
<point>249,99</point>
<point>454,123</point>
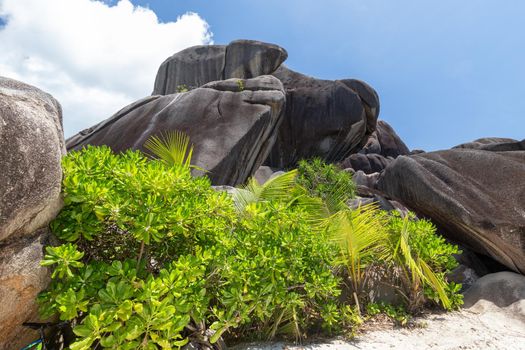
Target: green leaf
<point>172,148</point>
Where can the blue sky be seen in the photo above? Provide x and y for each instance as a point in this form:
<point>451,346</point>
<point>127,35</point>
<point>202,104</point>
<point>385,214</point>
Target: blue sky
<point>446,71</point>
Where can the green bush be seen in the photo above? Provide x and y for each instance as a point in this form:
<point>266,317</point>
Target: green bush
<point>277,274</point>
<point>155,257</point>
<point>396,313</point>
<point>408,252</point>
<point>113,204</point>
<point>325,180</point>
<point>425,259</point>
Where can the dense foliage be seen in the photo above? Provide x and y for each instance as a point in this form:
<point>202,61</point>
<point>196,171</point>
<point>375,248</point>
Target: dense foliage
<point>324,180</point>
<point>157,256</point>
<point>153,257</point>
<point>424,262</point>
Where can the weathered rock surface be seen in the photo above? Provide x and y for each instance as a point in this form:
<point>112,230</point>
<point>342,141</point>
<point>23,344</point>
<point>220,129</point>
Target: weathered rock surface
<point>232,130</point>
<point>382,202</point>
<point>31,147</point>
<point>249,59</point>
<point>494,144</point>
<point>385,141</point>
<point>263,174</point>
<point>198,65</point>
<point>21,279</point>
<point>323,118</point>
<point>477,196</point>
<point>360,178</point>
<point>502,289</point>
<point>471,267</point>
<point>368,163</point>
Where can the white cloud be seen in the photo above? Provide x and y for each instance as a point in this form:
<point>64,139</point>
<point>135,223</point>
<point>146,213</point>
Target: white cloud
<point>94,58</point>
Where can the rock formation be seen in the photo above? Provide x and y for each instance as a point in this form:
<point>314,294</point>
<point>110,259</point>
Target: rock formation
<point>239,118</point>
<point>385,141</point>
<point>31,146</point>
<point>323,118</point>
<point>368,163</point>
<point>476,195</point>
<point>231,123</point>
<point>198,65</point>
<point>494,144</point>
<point>503,289</point>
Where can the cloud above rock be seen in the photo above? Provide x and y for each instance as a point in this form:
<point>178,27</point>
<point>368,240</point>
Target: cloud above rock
<point>92,56</point>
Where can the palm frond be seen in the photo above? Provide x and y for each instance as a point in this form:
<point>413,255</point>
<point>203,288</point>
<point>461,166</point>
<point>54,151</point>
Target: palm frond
<point>172,147</point>
<point>242,198</point>
<point>416,269</point>
<point>315,207</point>
<point>335,199</point>
<point>279,187</point>
<point>361,235</point>
<point>437,284</point>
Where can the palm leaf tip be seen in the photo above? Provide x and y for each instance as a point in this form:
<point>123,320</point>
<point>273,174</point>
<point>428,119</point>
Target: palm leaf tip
<point>277,188</point>
<point>172,147</point>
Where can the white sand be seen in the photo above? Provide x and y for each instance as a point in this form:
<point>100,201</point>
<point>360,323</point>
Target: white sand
<point>483,326</point>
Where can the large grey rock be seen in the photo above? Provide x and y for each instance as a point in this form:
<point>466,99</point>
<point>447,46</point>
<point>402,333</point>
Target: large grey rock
<point>232,130</point>
<point>21,279</point>
<point>368,163</point>
<point>249,59</point>
<point>502,289</point>
<point>31,146</point>
<point>471,267</point>
<point>494,144</point>
<point>361,178</point>
<point>477,196</point>
<point>323,118</point>
<point>263,174</point>
<point>198,65</point>
<point>385,141</point>
<point>190,68</point>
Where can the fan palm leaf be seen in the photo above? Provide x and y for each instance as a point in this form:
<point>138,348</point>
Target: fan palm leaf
<point>172,147</point>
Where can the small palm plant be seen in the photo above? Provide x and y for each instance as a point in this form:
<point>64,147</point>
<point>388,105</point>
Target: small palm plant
<point>416,272</point>
<point>361,237</point>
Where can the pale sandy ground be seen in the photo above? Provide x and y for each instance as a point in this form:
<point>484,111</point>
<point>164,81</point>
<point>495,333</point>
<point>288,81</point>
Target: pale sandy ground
<point>483,326</point>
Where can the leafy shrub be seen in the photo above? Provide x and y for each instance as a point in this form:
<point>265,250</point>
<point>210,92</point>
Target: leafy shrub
<point>155,257</point>
<point>395,312</point>
<point>426,259</point>
<point>117,206</point>
<point>414,256</point>
<point>325,180</point>
<point>277,274</point>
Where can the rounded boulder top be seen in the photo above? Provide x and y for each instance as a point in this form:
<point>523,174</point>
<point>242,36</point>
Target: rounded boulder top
<point>198,65</point>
